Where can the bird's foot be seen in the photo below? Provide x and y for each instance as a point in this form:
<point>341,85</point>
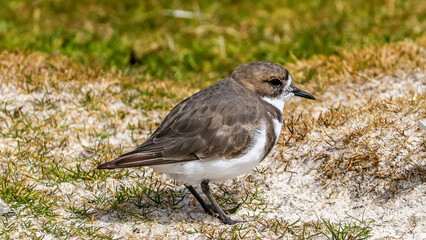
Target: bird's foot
<point>224,218</point>
<point>229,221</point>
<point>211,210</point>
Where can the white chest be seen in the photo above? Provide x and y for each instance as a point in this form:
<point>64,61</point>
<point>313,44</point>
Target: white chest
<point>277,128</point>
<point>279,104</point>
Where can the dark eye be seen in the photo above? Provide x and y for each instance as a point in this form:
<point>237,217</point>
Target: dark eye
<point>275,82</point>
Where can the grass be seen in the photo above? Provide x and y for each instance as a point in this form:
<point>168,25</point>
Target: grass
<point>82,82</point>
<point>60,127</point>
<point>346,231</point>
<point>150,40</point>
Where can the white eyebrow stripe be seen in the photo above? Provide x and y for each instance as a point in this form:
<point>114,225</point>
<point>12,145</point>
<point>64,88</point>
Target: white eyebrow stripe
<point>288,81</point>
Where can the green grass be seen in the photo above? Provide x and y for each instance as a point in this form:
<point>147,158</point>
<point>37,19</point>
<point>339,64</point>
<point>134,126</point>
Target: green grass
<point>358,229</point>
<point>228,33</point>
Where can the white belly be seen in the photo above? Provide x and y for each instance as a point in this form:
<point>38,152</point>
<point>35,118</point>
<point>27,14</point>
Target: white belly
<point>194,172</point>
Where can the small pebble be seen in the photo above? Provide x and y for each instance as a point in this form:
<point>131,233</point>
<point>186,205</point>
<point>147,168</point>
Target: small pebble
<point>4,208</point>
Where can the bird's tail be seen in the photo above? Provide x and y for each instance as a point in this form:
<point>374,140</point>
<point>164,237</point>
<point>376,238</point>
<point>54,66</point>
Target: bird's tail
<point>134,159</point>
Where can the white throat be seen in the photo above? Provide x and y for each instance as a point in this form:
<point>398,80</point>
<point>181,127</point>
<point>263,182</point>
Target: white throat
<point>278,102</point>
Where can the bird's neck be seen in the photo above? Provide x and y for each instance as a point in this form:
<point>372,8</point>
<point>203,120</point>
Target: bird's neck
<point>276,102</point>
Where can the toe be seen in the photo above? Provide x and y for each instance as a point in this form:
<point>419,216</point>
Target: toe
<point>233,210</point>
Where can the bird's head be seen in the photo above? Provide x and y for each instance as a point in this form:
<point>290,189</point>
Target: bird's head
<point>269,80</point>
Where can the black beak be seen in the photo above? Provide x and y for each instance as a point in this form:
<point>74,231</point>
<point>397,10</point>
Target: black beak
<point>301,93</point>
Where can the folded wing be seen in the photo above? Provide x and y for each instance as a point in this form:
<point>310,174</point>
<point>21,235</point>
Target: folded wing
<point>208,125</point>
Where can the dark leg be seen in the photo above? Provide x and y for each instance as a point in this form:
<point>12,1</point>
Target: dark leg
<point>207,208</point>
<point>222,216</point>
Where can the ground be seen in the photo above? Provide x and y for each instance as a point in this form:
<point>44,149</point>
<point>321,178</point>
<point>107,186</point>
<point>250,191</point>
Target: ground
<point>351,164</point>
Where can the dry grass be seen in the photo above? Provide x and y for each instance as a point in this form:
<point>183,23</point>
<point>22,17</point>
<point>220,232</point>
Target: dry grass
<point>59,120</point>
<point>378,140</point>
<point>367,123</point>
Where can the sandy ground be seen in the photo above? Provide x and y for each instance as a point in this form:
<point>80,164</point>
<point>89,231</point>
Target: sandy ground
<point>292,190</point>
<point>4,208</point>
<point>297,193</point>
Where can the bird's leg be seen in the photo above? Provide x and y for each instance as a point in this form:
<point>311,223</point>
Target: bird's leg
<point>222,216</point>
<point>207,207</point>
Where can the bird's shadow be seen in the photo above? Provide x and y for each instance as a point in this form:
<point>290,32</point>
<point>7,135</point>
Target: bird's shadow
<point>161,204</point>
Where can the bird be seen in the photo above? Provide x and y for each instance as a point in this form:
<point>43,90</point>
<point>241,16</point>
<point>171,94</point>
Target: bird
<point>218,133</point>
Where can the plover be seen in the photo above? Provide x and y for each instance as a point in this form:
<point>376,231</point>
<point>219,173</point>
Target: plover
<point>219,132</point>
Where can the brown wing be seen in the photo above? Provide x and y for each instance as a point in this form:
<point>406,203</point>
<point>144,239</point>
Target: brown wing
<point>213,123</point>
